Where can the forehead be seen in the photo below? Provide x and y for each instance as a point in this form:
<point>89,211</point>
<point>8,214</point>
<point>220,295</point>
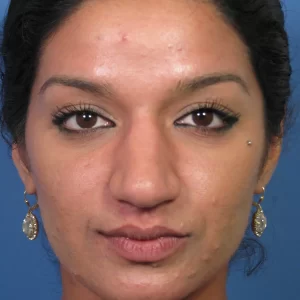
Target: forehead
<point>160,39</point>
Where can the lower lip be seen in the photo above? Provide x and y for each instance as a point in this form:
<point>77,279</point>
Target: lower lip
<point>145,251</point>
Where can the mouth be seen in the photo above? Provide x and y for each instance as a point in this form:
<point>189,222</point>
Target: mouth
<point>144,245</point>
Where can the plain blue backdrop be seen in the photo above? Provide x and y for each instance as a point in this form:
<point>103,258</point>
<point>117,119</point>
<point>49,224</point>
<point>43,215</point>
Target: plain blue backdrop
<point>26,270</point>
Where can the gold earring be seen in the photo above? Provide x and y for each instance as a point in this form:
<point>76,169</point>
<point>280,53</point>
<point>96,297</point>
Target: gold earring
<point>259,220</point>
<point>30,223</point>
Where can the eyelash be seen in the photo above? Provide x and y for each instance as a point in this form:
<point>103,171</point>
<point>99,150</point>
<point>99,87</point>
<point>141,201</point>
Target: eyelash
<point>62,115</point>
<point>215,106</point>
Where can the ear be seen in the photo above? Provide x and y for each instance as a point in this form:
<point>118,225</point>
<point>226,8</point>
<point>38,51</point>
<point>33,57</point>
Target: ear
<point>269,165</point>
<point>21,162</point>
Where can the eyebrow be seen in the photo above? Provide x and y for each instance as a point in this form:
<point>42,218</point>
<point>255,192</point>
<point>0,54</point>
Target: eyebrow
<point>183,86</point>
<point>98,89</point>
<point>205,81</point>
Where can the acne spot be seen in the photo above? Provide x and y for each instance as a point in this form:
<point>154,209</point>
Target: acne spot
<point>192,274</point>
<point>123,37</point>
<point>175,48</point>
<point>155,265</point>
<point>99,37</point>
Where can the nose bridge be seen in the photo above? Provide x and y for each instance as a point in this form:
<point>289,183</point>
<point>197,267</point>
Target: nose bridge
<point>146,142</point>
<point>144,175</point>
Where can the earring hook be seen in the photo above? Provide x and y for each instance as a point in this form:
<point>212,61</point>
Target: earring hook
<point>261,199</point>
<point>31,208</point>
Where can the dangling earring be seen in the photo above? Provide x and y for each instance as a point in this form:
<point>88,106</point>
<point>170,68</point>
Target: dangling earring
<point>30,223</point>
<point>259,220</point>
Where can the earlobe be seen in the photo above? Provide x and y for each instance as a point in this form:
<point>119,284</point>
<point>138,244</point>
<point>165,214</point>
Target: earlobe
<point>21,163</point>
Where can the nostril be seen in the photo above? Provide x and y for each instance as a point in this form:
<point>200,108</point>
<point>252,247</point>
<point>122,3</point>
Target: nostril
<point>143,206</point>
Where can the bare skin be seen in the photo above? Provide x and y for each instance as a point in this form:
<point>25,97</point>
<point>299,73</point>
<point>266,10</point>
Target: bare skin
<point>145,167</point>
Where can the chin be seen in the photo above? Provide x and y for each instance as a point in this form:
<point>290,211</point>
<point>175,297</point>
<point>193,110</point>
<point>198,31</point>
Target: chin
<point>142,289</point>
<point>144,293</point>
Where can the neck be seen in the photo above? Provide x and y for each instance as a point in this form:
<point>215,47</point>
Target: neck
<point>214,289</point>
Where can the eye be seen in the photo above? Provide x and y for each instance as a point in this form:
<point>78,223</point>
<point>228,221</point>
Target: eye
<point>205,117</point>
<point>81,119</point>
<point>86,120</point>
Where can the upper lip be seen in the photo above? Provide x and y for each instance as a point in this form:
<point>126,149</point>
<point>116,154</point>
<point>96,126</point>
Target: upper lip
<point>137,233</point>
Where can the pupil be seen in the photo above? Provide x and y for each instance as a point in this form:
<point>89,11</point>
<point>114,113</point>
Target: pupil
<point>86,120</point>
<point>203,118</point>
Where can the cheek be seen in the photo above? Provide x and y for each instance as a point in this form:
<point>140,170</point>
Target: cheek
<point>220,183</point>
<point>70,188</point>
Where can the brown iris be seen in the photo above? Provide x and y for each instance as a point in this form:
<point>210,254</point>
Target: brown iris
<point>203,117</point>
<point>86,119</point>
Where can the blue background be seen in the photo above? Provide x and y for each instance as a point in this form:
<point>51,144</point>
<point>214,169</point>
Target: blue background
<point>27,272</point>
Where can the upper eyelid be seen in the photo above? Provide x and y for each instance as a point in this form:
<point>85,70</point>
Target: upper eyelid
<point>214,104</point>
<point>83,107</point>
<point>100,114</point>
<point>207,108</point>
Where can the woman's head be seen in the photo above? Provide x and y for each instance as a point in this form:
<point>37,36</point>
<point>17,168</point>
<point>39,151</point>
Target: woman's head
<point>138,113</point>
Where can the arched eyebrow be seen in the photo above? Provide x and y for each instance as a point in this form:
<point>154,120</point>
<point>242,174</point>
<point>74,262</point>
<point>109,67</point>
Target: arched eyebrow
<point>201,82</point>
<point>183,87</point>
<point>98,89</point>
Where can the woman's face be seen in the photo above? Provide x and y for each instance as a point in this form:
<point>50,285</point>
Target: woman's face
<point>139,153</point>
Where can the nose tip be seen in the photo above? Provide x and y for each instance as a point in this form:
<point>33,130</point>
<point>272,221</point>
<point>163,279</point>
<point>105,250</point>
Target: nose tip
<point>144,176</point>
<point>145,189</point>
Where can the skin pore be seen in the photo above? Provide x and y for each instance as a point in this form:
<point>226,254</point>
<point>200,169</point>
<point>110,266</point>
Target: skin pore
<point>137,71</point>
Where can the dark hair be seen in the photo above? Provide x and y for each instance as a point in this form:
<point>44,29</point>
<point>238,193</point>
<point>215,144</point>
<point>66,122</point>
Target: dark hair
<point>29,23</point>
<point>261,25</point>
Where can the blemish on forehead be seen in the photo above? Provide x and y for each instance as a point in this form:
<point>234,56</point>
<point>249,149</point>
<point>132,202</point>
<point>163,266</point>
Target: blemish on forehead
<point>177,48</point>
<point>123,37</point>
<point>99,37</point>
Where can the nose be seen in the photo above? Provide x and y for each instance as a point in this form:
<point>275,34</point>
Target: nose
<point>144,174</point>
